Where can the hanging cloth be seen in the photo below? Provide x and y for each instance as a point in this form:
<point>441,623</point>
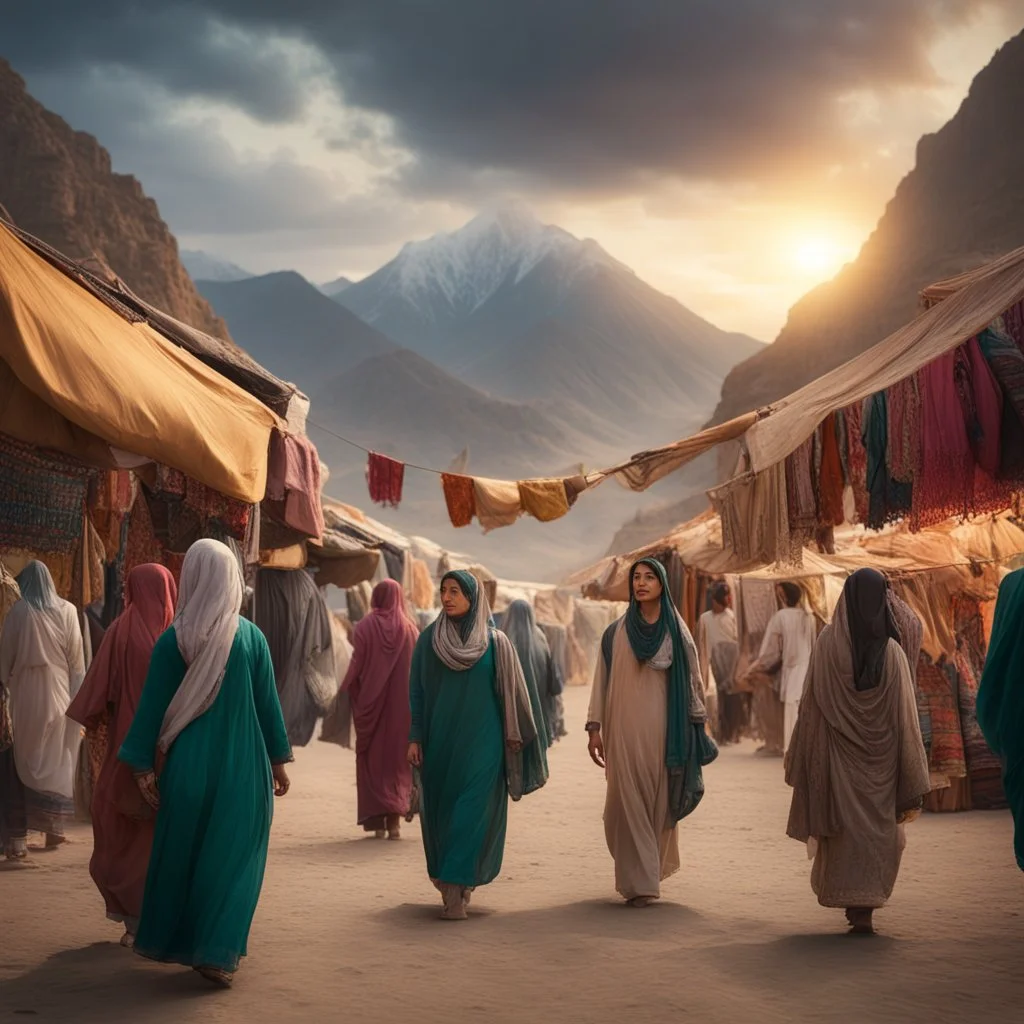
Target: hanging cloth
<point>903,410</point>
<point>800,504</point>
<point>459,497</point>
<point>545,500</point>
<point>1006,361</point>
<point>497,502</point>
<point>888,499</point>
<point>857,459</point>
<point>990,493</point>
<point>384,477</point>
<point>830,475</point>
<point>944,481</point>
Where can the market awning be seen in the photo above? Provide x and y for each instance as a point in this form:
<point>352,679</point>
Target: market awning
<point>122,385</point>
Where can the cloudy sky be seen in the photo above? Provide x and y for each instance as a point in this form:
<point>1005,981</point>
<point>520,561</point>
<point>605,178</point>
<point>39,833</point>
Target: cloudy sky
<point>734,152</point>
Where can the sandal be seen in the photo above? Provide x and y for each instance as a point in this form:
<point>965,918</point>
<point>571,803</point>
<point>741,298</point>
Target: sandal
<point>216,976</point>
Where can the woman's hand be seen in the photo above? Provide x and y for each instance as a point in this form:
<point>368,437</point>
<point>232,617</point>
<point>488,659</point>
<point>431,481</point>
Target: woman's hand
<point>281,781</point>
<point>515,746</point>
<point>415,755</point>
<point>595,747</point>
<point>146,781</point>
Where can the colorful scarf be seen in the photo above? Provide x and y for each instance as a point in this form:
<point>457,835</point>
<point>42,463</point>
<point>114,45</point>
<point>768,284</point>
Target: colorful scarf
<point>888,499</point>
<point>1006,360</point>
<point>687,745</point>
<point>857,459</point>
<point>459,497</point>
<point>800,503</point>
<point>944,481</point>
<point>830,476</point>
<point>385,478</point>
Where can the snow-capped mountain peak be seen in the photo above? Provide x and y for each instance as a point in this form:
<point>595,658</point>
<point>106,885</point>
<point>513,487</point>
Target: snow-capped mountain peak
<point>454,273</point>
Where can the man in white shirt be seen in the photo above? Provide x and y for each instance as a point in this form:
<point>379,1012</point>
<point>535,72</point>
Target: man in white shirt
<point>787,645</point>
<point>718,651</point>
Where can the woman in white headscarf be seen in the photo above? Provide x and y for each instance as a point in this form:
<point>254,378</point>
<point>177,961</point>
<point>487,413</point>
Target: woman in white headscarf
<point>209,723</point>
<point>42,666</point>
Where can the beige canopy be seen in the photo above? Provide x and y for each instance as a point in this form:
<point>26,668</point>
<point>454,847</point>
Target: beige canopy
<point>77,377</point>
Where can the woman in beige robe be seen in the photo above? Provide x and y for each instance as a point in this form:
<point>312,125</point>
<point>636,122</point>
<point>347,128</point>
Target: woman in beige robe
<point>857,762</point>
<point>647,668</point>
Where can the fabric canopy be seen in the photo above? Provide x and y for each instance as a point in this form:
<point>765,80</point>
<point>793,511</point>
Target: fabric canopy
<point>122,382</point>
<point>970,303</point>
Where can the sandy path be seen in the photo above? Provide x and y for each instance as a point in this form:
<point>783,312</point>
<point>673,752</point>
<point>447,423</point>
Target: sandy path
<point>347,926</point>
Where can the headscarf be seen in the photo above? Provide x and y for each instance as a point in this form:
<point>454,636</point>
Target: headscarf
<point>459,644</point>
<point>519,624</point>
<point>36,586</point>
<point>118,671</point>
<point>871,624</point>
<point>687,745</point>
<point>1001,697</point>
<point>205,626</point>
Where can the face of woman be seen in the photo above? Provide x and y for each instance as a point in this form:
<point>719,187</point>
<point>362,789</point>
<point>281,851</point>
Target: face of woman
<point>453,600</point>
<point>646,585</point>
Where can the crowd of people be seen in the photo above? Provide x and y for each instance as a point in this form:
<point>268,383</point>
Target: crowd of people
<point>188,744</point>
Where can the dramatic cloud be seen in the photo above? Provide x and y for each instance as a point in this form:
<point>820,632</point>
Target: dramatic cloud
<point>568,91</point>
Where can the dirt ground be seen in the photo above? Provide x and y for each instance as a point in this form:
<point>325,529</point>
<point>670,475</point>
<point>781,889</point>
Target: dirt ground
<point>347,927</point>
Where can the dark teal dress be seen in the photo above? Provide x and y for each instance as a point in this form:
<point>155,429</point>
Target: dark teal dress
<point>216,805</point>
<point>457,720</point>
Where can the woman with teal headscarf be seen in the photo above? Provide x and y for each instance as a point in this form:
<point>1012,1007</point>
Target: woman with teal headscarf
<point>646,729</point>
<point>473,739</point>
<point>1001,698</point>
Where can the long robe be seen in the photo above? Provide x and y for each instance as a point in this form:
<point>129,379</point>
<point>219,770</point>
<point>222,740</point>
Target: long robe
<point>42,663</point>
<point>857,765</point>
<point>377,683</point>
<point>121,820</point>
<point>457,719</point>
<point>629,701</point>
<point>216,805</point>
<point>1001,698</point>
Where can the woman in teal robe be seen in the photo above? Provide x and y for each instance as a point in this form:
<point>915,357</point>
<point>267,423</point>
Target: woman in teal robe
<point>474,740</point>
<point>1001,698</point>
<point>210,713</point>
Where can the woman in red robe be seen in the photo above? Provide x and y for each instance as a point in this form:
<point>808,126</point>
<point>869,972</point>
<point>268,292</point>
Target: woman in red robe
<point>122,821</point>
<point>378,684</point>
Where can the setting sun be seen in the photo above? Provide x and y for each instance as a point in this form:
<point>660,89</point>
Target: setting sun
<point>818,255</point>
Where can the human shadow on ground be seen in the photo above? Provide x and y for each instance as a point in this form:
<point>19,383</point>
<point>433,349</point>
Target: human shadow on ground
<point>97,978</point>
<point>583,918</point>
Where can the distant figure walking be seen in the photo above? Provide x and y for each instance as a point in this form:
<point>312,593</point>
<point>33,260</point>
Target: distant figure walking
<point>122,821</point>
<point>378,684</point>
<point>1001,698</point>
<point>543,678</point>
<point>646,730</point>
<point>719,651</point>
<point>786,648</point>
<point>473,738</point>
<point>210,709</point>
<point>857,762</point>
<point>42,664</point>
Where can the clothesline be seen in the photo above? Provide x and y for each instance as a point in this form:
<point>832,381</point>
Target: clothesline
<point>369,451</point>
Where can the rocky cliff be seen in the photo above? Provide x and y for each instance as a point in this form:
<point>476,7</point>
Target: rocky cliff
<point>57,184</point>
<point>961,205</point>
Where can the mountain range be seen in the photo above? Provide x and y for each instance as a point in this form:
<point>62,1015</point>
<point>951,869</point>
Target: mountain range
<point>204,267</point>
<point>58,185</point>
<point>527,311</point>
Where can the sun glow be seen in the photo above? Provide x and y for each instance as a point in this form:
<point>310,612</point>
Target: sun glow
<point>818,255</point>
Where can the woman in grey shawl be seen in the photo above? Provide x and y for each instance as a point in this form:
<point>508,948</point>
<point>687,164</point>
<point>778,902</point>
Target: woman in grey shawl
<point>473,739</point>
<point>543,678</point>
<point>291,612</point>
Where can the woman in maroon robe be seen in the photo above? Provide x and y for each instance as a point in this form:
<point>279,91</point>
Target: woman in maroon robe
<point>122,822</point>
<point>378,685</point>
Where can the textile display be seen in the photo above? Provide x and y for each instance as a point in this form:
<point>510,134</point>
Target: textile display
<point>545,500</point>
<point>830,475</point>
<point>42,498</point>
<point>294,484</point>
<point>460,498</point>
<point>125,384</point>
<point>497,502</point>
<point>385,477</point>
<point>947,758</point>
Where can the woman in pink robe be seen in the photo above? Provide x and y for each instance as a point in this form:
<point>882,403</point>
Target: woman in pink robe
<point>122,822</point>
<point>378,685</point>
